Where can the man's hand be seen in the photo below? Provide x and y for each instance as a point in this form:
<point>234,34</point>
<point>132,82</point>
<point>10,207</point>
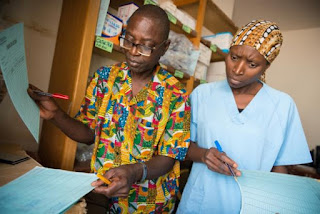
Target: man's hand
<point>216,161</point>
<point>47,105</point>
<point>49,110</point>
<point>122,178</point>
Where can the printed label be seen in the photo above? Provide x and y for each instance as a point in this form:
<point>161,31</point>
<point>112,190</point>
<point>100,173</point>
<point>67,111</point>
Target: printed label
<point>104,44</point>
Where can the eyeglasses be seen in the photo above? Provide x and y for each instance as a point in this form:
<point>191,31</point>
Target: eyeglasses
<point>141,49</point>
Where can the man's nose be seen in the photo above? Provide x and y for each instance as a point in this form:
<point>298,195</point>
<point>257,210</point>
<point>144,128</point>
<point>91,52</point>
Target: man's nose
<point>134,51</point>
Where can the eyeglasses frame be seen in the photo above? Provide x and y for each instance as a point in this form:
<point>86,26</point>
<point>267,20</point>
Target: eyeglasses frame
<point>136,45</point>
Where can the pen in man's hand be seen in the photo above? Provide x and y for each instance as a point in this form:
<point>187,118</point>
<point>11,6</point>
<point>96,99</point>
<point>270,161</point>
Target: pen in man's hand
<point>229,167</point>
<point>105,180</point>
<point>55,95</point>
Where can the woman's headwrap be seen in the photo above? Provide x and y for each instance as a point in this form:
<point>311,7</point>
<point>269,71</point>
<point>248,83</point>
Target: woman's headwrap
<point>262,35</point>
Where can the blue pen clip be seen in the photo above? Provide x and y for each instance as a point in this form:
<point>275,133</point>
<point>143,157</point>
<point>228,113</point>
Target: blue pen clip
<point>218,146</point>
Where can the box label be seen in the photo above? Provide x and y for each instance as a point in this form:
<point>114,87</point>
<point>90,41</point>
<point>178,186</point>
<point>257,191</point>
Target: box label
<point>186,28</point>
<point>172,18</point>
<point>149,2</point>
<point>178,74</point>
<point>213,47</point>
<point>104,44</point>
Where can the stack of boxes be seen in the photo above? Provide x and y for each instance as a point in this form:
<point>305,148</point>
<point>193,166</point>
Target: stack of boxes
<point>203,62</point>
<point>216,71</point>
<point>182,16</point>
<point>112,28</point>
<point>115,26</point>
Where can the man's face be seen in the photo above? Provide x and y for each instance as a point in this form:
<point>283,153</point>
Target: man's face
<point>144,31</point>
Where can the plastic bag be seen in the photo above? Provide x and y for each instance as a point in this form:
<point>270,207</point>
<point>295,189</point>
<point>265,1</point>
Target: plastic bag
<point>181,54</point>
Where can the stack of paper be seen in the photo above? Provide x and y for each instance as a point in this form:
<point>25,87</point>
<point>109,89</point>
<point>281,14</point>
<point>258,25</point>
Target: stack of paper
<point>44,190</point>
<point>265,192</point>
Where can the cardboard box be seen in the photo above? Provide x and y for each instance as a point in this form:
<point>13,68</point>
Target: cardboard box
<point>112,28</point>
<point>125,11</point>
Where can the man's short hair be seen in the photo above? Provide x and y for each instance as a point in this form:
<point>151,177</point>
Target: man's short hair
<point>157,14</point>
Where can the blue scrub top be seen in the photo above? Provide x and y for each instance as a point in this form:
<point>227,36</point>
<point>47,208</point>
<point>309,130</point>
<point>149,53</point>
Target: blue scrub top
<point>267,133</point>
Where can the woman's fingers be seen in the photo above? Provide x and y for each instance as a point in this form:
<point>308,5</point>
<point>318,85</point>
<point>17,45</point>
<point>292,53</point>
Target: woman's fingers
<point>217,165</point>
<point>217,161</point>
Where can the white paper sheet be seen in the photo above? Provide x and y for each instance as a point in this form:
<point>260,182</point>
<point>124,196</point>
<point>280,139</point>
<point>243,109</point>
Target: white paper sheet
<point>44,190</point>
<point>267,192</point>
<point>14,70</point>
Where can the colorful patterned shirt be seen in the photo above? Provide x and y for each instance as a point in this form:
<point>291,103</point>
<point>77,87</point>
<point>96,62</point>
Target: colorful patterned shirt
<point>131,129</point>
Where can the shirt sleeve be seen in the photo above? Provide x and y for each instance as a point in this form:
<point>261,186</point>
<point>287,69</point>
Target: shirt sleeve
<point>88,112</point>
<point>294,149</point>
<point>176,138</point>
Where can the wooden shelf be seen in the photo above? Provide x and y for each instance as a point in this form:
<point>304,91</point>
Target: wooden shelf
<point>117,52</point>
<point>178,27</point>
<point>215,19</point>
<point>72,58</point>
<point>216,56</point>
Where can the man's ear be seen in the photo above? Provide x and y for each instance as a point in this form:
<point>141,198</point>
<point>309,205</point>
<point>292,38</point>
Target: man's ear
<point>166,45</point>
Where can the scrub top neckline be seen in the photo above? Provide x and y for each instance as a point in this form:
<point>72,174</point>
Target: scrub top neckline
<point>232,107</point>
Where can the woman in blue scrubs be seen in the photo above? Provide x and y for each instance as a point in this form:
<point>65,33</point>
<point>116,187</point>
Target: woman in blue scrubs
<point>257,126</point>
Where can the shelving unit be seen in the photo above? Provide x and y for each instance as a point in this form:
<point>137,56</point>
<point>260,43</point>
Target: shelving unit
<point>217,54</point>
<point>74,48</point>
<point>118,52</point>
<point>194,36</point>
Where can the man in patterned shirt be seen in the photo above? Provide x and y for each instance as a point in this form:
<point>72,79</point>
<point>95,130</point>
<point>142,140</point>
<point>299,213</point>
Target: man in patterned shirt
<point>138,116</point>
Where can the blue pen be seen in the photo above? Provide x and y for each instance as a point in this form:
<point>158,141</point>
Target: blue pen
<point>220,150</point>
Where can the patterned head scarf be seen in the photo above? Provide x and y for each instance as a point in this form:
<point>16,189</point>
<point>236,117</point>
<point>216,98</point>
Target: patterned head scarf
<point>262,35</point>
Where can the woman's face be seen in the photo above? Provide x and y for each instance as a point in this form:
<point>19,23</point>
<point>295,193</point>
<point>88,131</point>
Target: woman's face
<point>244,66</point>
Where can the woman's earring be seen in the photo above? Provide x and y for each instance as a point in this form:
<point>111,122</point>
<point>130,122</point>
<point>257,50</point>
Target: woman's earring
<point>263,77</point>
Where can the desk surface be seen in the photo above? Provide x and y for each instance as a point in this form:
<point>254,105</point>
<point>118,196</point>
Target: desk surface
<point>10,172</point>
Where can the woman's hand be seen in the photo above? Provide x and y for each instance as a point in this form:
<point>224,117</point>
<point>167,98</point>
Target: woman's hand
<point>48,107</point>
<point>122,178</point>
<point>216,161</point>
